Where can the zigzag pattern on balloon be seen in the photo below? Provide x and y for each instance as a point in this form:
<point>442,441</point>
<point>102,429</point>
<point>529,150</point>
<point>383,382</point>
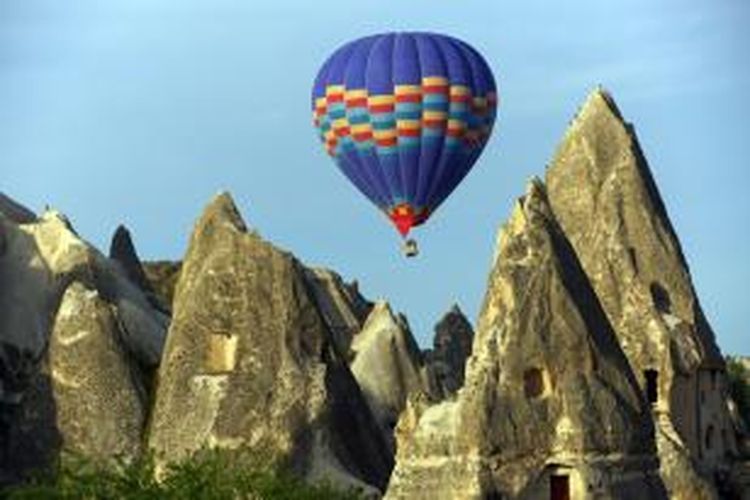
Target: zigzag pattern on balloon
<point>405,116</point>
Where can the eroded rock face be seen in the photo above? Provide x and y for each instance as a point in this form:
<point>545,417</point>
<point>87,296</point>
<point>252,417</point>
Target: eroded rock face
<point>87,396</point>
<point>122,250</point>
<point>162,275</point>
<point>446,361</point>
<point>386,365</point>
<point>343,308</point>
<point>548,391</point>
<point>41,260</point>
<point>250,362</point>
<point>44,266</point>
<point>604,197</point>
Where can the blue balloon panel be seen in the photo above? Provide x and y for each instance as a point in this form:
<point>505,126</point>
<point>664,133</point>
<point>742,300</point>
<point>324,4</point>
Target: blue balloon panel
<point>405,117</point>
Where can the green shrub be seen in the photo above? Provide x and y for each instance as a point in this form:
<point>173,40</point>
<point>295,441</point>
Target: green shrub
<point>209,475</point>
<point>739,388</point>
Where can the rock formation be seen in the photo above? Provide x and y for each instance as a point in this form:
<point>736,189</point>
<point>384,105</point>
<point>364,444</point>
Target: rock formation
<point>446,361</point>
<point>605,198</point>
<point>122,251</point>
<point>386,365</point>
<point>60,370</point>
<point>162,275</point>
<point>250,362</point>
<point>87,397</point>
<point>549,400</point>
<point>344,309</point>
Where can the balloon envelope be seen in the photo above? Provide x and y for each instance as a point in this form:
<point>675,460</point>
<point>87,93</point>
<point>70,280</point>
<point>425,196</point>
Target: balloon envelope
<point>405,116</point>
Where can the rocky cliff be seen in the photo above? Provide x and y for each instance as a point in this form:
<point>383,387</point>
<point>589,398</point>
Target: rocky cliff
<point>250,362</point>
<point>604,196</point>
<point>77,340</point>
<point>387,365</point>
<point>343,308</point>
<point>548,391</point>
<point>446,361</point>
<point>593,372</point>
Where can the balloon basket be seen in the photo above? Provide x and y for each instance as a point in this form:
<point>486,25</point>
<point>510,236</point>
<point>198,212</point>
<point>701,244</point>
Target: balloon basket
<point>410,248</point>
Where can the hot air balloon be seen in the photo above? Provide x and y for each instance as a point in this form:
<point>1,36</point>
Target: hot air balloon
<point>405,117</point>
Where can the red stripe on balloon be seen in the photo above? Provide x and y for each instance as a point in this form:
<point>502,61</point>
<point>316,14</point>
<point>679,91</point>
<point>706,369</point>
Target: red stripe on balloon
<point>390,141</point>
<point>381,108</point>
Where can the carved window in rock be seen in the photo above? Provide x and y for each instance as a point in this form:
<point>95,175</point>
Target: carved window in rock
<point>660,297</point>
<point>534,384</point>
<point>221,353</point>
<point>633,259</point>
<point>651,378</point>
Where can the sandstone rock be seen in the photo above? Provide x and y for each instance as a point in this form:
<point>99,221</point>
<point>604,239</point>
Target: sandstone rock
<point>386,365</point>
<point>122,251</point>
<point>605,198</point>
<point>41,259</point>
<point>446,361</point>
<point>162,275</point>
<point>344,309</point>
<point>549,398</point>
<point>86,399</point>
<point>14,211</point>
<point>249,362</point>
<point>40,262</point>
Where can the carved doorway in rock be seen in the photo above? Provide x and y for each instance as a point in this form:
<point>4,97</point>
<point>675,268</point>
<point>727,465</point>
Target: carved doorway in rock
<point>652,385</point>
<point>559,487</point>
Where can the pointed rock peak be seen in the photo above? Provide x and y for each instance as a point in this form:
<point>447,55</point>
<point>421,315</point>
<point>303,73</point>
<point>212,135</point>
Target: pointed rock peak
<point>536,194</point>
<point>122,243</point>
<point>453,314</point>
<point>531,209</point>
<point>600,100</point>
<point>222,210</point>
<point>122,250</point>
<point>456,309</point>
<point>381,312</point>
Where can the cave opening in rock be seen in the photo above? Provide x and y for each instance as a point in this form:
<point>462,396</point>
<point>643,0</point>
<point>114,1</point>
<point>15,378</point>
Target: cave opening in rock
<point>559,487</point>
<point>533,383</point>
<point>660,297</point>
<point>652,384</point>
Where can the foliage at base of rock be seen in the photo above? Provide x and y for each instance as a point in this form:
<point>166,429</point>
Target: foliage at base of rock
<point>208,474</point>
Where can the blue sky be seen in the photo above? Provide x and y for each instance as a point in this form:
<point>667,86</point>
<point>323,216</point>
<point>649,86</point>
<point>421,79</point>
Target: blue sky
<point>139,111</point>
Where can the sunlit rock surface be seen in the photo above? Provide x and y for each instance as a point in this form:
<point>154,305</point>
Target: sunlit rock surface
<point>548,391</point>
<point>250,362</point>
<point>606,200</point>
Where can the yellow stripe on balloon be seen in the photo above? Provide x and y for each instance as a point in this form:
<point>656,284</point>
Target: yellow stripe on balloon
<point>408,124</point>
<point>430,114</point>
<point>340,123</point>
<point>434,81</point>
<point>385,134</point>
<point>355,93</point>
<point>361,128</point>
<point>381,99</point>
<point>407,89</point>
<point>460,90</point>
<point>334,89</point>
